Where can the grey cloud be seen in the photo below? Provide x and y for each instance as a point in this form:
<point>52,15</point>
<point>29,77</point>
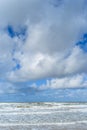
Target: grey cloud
<point>49,49</point>
<point>44,66</point>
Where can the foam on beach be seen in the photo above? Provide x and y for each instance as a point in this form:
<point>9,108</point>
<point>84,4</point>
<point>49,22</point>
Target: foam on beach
<point>43,116</point>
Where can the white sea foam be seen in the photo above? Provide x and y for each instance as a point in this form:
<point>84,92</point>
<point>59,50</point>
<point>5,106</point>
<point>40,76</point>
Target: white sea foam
<point>42,114</point>
<point>49,124</point>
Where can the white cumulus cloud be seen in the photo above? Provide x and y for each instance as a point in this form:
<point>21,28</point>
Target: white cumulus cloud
<point>49,50</point>
<point>77,81</point>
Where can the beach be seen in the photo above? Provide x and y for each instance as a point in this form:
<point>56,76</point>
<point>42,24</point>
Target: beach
<point>43,116</point>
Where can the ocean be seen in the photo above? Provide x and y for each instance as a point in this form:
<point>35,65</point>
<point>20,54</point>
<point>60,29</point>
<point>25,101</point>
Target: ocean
<point>43,116</point>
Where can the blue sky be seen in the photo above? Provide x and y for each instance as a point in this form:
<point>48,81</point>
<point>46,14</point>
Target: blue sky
<point>43,50</point>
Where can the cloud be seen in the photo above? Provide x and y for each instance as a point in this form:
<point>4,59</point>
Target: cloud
<point>23,9</point>
<point>6,87</point>
<point>47,48</point>
<point>45,66</point>
<point>77,81</point>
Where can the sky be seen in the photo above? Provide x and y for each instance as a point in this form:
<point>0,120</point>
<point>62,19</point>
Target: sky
<point>43,50</point>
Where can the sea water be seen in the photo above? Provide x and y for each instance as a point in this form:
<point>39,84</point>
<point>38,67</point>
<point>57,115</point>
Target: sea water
<point>43,116</point>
